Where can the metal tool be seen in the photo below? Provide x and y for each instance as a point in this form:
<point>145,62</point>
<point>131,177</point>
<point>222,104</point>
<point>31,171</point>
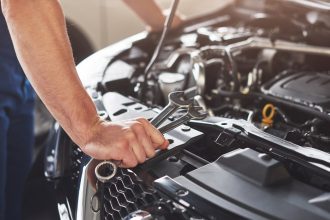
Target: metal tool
<point>176,101</point>
<point>194,112</point>
<point>106,170</point>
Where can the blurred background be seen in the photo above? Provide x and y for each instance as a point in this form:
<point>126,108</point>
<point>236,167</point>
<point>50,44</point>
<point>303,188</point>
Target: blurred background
<point>104,22</point>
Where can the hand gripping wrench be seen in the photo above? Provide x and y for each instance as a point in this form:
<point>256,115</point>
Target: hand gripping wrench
<point>106,170</point>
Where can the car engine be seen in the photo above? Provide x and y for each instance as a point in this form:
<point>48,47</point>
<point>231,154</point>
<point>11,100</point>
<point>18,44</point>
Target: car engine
<point>262,74</point>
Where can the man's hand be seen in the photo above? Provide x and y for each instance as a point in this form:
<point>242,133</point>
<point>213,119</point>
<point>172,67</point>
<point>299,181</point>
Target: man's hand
<point>130,142</point>
<point>49,65</point>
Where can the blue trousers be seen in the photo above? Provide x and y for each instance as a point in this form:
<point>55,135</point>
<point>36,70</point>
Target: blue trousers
<point>16,128</point>
<point>16,142</point>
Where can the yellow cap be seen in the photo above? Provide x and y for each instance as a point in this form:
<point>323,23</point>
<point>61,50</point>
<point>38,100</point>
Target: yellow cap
<point>268,113</point>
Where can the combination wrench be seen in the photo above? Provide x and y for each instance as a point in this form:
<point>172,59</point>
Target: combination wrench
<point>194,112</point>
<point>106,170</point>
<point>176,101</point>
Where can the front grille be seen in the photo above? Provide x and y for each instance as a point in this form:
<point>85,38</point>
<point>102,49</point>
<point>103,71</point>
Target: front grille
<point>76,158</point>
<point>124,194</point>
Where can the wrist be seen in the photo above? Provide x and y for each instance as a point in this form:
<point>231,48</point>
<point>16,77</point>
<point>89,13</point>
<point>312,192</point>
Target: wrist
<point>82,119</point>
<point>85,134</point>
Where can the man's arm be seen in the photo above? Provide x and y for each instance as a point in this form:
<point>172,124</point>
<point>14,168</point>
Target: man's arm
<point>151,14</point>
<point>38,31</point>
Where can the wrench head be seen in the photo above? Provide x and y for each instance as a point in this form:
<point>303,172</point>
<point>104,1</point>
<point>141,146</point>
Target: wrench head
<point>197,112</point>
<point>177,98</point>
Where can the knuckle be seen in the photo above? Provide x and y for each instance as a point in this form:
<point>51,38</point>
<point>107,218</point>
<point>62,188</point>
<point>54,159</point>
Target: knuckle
<point>145,122</point>
<point>122,144</point>
<point>144,156</point>
<point>134,163</point>
<point>142,159</point>
<point>137,126</point>
<point>147,143</point>
<point>129,160</point>
<point>142,120</point>
<point>140,154</point>
<point>130,135</point>
<point>151,153</point>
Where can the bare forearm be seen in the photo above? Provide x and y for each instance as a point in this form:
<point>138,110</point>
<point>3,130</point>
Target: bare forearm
<point>38,31</point>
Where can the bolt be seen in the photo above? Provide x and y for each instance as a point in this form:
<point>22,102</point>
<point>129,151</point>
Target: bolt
<point>185,128</point>
<point>182,192</point>
<point>173,159</point>
<point>264,157</point>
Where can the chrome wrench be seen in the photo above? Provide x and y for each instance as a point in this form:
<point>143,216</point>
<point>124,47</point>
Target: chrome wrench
<point>176,101</point>
<point>194,112</point>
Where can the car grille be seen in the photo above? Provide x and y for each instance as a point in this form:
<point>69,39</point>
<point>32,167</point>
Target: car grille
<point>76,158</point>
<point>124,194</point>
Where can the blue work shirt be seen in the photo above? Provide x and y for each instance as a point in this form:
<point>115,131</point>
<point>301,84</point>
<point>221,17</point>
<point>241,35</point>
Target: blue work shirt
<point>13,82</point>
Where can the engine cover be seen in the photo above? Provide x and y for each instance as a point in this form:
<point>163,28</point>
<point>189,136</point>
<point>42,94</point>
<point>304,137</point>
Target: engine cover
<point>307,88</point>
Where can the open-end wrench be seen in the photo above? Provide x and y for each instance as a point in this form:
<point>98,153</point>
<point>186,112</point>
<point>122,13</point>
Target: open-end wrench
<point>194,112</point>
<point>106,170</point>
<point>176,101</point>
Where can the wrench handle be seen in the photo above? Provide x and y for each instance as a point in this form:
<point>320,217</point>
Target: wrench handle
<point>174,124</point>
<point>163,115</point>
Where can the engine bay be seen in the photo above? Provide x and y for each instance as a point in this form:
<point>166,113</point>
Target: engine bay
<point>263,152</point>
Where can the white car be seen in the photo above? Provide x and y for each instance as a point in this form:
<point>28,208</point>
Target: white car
<point>260,70</point>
